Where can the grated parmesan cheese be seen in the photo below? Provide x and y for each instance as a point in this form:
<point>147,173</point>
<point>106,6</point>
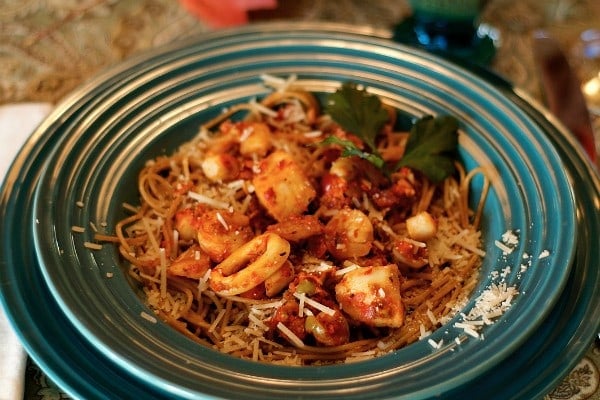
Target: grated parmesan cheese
<point>273,304</point>
<point>491,304</point>
<point>200,198</point>
<point>301,299</point>
<point>343,271</point>
<point>222,221</point>
<point>259,108</point>
<point>203,282</point>
<point>544,254</point>
<point>163,273</point>
<point>468,328</point>
<point>381,345</point>
<point>315,304</point>
<point>92,246</point>
<point>524,267</point>
<point>148,317</point>
<point>423,332</point>
<point>237,184</point>
<point>431,317</point>
<point>434,344</point>
<point>509,242</point>
<point>290,335</point>
<point>472,249</point>
<point>313,134</point>
<point>130,208</point>
<point>246,133</point>
<point>322,266</point>
<point>272,80</point>
<point>214,324</point>
<point>78,229</point>
<point>252,317</point>
<point>510,238</point>
<point>277,83</point>
<point>505,249</point>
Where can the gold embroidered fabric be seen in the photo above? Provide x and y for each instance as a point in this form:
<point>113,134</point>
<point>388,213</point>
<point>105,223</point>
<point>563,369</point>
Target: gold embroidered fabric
<point>48,47</point>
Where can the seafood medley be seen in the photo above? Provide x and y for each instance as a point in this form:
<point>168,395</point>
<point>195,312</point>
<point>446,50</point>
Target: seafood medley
<point>284,234</point>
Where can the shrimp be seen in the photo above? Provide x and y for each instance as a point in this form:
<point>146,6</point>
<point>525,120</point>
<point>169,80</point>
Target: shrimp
<point>192,263</point>
<point>349,234</point>
<point>187,222</point>
<point>218,232</point>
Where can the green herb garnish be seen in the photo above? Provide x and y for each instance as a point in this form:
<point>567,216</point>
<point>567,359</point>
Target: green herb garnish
<point>358,112</point>
<point>431,146</point>
<point>349,149</point>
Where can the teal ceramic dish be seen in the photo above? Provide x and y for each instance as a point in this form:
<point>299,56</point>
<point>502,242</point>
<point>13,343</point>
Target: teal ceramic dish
<point>85,327</point>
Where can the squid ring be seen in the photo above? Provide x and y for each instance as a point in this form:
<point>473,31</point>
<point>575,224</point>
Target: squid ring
<point>250,265</point>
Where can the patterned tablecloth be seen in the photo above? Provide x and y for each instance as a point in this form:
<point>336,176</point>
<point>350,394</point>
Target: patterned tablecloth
<point>49,47</point>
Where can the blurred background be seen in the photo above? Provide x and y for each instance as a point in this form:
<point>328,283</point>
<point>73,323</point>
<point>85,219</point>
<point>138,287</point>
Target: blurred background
<point>48,47</point>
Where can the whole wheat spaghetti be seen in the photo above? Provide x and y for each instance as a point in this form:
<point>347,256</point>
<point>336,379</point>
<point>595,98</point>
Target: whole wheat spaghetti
<point>259,241</point>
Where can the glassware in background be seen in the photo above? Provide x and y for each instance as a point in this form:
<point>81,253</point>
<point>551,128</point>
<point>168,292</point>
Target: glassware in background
<point>587,55</point>
<point>449,27</point>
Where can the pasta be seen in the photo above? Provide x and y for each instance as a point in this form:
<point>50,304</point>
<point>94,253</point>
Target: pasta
<point>259,241</point>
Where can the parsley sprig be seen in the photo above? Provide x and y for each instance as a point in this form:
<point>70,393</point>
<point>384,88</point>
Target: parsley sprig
<point>431,146</point>
<point>358,112</point>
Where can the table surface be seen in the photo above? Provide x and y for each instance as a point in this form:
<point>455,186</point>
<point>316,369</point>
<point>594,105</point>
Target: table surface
<point>49,47</point>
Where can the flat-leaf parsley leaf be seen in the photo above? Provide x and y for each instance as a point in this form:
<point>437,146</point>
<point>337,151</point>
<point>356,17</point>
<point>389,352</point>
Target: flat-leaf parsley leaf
<point>358,112</point>
<point>431,146</point>
<point>349,149</point>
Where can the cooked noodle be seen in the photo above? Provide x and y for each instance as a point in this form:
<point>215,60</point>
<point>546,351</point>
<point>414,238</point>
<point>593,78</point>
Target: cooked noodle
<point>206,201</point>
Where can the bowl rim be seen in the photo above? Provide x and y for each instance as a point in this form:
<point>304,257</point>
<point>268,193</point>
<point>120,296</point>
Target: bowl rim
<point>287,27</point>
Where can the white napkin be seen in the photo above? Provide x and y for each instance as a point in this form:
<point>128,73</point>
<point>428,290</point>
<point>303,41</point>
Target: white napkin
<point>17,122</point>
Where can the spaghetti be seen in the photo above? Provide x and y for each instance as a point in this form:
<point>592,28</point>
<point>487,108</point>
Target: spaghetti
<point>256,240</point>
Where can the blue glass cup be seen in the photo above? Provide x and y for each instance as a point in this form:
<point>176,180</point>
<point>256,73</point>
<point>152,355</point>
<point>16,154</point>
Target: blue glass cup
<point>446,24</point>
<point>449,27</point>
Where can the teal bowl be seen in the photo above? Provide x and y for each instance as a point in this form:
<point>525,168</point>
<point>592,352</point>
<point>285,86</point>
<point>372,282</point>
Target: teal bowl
<point>82,164</point>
